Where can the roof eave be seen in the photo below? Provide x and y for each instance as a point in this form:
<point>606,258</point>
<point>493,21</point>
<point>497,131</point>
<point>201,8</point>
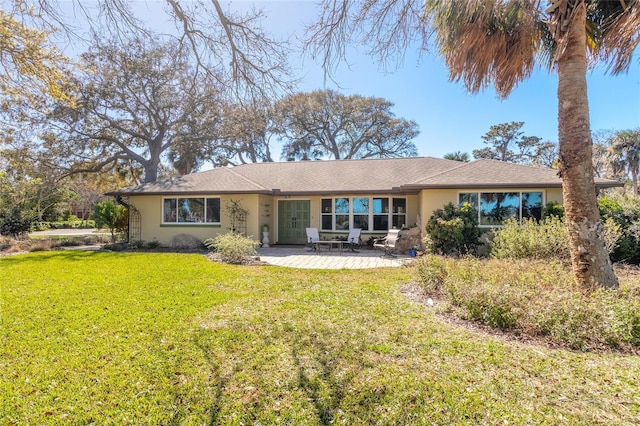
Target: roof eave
<point>134,193</point>
<point>485,185</point>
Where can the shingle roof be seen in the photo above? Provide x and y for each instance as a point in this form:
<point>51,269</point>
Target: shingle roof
<point>491,173</point>
<point>356,176</point>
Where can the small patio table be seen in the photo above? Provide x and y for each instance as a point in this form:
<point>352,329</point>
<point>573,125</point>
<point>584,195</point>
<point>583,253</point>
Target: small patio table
<point>330,243</point>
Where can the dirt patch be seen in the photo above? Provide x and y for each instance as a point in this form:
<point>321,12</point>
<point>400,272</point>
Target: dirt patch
<point>248,260</point>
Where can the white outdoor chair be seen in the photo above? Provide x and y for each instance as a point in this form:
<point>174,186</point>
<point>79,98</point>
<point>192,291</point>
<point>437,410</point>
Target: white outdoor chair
<point>313,238</point>
<point>354,238</point>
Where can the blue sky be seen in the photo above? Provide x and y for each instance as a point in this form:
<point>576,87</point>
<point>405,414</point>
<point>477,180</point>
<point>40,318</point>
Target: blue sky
<point>450,119</point>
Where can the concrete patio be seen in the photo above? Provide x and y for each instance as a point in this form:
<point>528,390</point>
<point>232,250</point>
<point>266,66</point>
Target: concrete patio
<point>303,257</point>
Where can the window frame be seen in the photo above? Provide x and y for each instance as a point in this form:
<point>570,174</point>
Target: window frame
<point>204,213</point>
<point>394,214</point>
<point>478,199</point>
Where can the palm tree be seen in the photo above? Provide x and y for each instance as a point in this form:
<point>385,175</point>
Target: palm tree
<point>499,42</point>
<point>625,155</point>
<point>457,156</point>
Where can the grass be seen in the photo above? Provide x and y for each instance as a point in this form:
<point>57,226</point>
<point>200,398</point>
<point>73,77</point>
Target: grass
<point>140,338</point>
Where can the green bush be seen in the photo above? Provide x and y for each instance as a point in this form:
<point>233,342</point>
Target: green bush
<point>111,215</point>
<point>625,212</point>
<point>548,239</point>
<point>553,209</point>
<point>67,224</point>
<point>453,230</point>
<point>531,240</point>
<point>154,244</point>
<point>15,223</point>
<point>538,298</point>
<point>41,226</point>
<point>233,247</point>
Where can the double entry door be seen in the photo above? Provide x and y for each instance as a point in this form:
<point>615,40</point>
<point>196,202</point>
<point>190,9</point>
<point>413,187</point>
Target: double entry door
<point>293,217</point>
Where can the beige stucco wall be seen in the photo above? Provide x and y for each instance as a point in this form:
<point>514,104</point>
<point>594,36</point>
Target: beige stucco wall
<point>554,194</point>
<point>264,211</point>
<point>152,229</point>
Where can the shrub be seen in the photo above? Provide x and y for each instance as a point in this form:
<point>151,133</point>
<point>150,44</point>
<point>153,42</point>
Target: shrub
<point>114,217</point>
<point>553,209</point>
<point>453,230</point>
<point>233,247</point>
<point>15,223</point>
<point>534,298</point>
<point>432,273</point>
<point>625,212</point>
<point>138,244</point>
<point>531,240</point>
<point>68,224</point>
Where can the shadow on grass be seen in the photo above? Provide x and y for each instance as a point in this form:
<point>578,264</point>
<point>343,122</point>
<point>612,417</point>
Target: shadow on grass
<point>217,381</point>
<point>327,382</point>
<point>66,255</point>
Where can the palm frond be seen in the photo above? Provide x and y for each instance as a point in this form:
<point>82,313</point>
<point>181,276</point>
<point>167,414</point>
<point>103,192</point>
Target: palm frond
<point>619,35</point>
<point>487,42</point>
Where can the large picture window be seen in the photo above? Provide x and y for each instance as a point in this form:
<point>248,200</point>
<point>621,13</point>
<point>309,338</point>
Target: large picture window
<point>191,210</point>
<point>366,213</point>
<point>495,208</point>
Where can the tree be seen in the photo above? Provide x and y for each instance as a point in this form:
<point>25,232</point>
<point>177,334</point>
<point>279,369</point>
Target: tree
<point>225,44</point>
<point>140,100</point>
<point>29,185</point>
<point>328,124</point>
<point>457,156</point>
<point>497,43</point>
<point>32,67</point>
<point>245,133</point>
<point>601,140</point>
<point>110,215</point>
<point>625,155</point>
<point>507,143</point>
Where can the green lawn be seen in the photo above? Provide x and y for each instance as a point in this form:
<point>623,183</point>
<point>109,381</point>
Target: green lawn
<point>122,338</point>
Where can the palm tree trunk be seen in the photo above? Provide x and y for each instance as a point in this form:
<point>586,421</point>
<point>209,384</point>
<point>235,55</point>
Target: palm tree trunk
<point>589,257</point>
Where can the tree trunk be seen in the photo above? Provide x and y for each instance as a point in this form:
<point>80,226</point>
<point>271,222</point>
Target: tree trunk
<point>589,257</point>
<point>153,163</point>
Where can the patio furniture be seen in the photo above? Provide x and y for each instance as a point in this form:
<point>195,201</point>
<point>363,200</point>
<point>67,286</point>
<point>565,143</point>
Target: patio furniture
<point>330,243</point>
<point>354,238</point>
<point>313,238</point>
<point>388,243</point>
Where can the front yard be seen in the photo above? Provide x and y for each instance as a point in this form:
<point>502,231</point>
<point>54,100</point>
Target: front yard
<point>135,338</point>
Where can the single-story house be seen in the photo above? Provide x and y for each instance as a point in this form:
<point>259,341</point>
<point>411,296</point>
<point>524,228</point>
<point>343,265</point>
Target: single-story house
<point>335,195</point>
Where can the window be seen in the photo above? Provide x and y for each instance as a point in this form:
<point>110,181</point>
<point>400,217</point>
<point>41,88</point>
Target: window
<point>327,213</point>
<point>191,210</point>
<point>361,213</point>
<point>494,208</point>
<point>380,214</point>
<point>399,218</point>
<point>366,213</point>
<point>342,214</point>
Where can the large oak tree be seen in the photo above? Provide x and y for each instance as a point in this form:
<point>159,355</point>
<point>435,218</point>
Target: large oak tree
<point>137,102</point>
<point>327,124</point>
